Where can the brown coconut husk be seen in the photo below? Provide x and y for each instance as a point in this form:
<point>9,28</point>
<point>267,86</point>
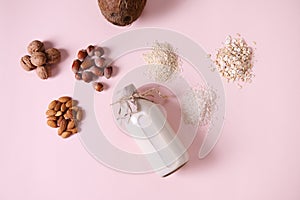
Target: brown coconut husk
<point>121,12</point>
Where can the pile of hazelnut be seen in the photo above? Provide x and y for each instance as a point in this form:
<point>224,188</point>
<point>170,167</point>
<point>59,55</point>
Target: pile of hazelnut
<point>38,58</point>
<point>90,65</point>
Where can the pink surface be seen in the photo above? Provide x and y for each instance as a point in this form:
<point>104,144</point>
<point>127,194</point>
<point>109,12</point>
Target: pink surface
<point>257,156</point>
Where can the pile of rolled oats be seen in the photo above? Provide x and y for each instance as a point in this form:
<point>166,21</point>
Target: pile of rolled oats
<point>235,60</point>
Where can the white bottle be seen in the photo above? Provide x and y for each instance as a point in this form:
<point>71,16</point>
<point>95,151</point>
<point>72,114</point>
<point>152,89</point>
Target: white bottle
<point>153,134</point>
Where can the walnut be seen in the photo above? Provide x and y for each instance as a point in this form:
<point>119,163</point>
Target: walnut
<point>26,64</point>
<point>35,46</point>
<point>53,55</point>
<point>38,58</point>
<point>41,71</point>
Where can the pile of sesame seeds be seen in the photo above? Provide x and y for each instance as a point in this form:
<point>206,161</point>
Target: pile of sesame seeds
<point>235,60</point>
<point>164,63</point>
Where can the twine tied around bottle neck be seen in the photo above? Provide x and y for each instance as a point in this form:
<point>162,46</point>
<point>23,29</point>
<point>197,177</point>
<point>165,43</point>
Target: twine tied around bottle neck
<point>128,105</point>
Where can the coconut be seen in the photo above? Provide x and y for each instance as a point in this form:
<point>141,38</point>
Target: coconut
<point>121,12</point>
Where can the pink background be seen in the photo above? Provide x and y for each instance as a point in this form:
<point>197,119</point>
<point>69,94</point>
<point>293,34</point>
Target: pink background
<point>257,156</point>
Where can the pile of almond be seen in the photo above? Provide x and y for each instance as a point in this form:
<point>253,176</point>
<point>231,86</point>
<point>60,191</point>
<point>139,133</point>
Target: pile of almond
<point>65,115</point>
<point>90,65</point>
<point>40,58</point>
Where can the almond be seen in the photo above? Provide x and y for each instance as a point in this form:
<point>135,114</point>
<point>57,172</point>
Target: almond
<point>71,103</point>
<point>66,116</point>
<point>50,113</point>
<point>74,108</point>
<point>64,99</point>
<point>59,132</point>
<point>79,115</point>
<point>71,124</point>
<point>59,120</point>
<point>66,134</point>
<point>52,105</point>
<point>51,123</point>
<point>59,113</point>
<point>73,130</point>
<point>69,114</point>
<point>57,106</point>
<point>53,118</point>
<point>63,107</point>
<point>62,126</point>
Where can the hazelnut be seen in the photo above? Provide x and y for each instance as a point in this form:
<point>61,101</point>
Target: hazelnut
<point>35,46</point>
<point>99,51</point>
<point>53,55</point>
<point>78,76</point>
<point>108,72</point>
<point>38,58</point>
<point>98,86</point>
<point>76,65</point>
<point>97,71</point>
<point>87,63</point>
<point>41,71</point>
<point>82,54</point>
<point>90,50</point>
<point>87,76</point>
<point>26,64</point>
<point>99,62</point>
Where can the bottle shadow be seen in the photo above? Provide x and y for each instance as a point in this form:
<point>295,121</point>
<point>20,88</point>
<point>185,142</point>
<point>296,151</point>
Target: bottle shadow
<point>204,164</point>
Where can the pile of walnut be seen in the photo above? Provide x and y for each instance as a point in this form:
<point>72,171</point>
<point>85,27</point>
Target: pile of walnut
<point>90,65</point>
<point>39,58</point>
<point>65,115</point>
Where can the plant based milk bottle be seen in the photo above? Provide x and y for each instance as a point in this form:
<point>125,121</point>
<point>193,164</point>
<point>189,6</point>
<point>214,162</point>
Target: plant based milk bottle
<point>147,124</point>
